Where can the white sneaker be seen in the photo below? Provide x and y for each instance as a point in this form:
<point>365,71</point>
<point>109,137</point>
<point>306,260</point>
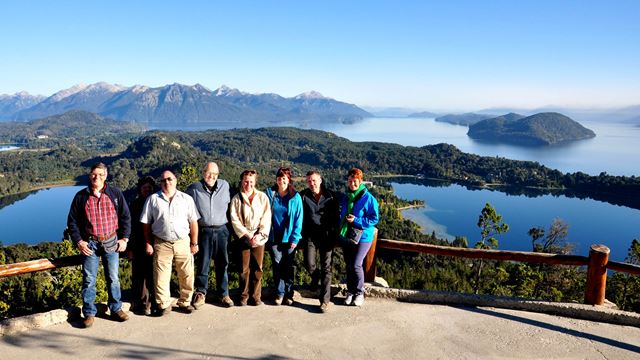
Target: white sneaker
<point>359,300</point>
<point>348,299</point>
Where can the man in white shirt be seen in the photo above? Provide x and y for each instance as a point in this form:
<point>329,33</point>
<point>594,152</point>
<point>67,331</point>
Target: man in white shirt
<point>170,224</point>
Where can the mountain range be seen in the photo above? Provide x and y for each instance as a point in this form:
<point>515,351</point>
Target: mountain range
<point>178,104</point>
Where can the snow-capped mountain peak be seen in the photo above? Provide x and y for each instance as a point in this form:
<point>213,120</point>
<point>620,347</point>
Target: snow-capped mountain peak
<point>310,95</point>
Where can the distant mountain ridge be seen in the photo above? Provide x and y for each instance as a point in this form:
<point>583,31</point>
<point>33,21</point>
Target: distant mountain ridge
<point>540,129</point>
<point>11,104</point>
<point>178,104</point>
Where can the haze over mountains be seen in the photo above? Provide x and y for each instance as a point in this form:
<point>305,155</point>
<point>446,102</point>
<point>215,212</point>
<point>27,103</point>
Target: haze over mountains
<point>178,104</point>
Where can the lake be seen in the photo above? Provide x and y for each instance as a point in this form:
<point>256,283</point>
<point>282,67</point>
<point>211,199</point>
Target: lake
<point>615,149</point>
<point>41,216</point>
<point>8,147</point>
<point>453,210</point>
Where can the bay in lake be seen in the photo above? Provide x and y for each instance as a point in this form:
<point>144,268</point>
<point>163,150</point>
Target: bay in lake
<point>453,210</point>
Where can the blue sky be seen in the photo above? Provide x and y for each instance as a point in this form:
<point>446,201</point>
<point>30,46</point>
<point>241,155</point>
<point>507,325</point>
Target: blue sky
<point>441,55</point>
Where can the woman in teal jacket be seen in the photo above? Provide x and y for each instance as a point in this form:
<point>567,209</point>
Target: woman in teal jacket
<point>359,211</point>
<point>286,232</point>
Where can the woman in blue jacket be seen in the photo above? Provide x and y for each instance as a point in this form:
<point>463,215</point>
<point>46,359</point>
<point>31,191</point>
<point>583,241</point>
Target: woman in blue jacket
<point>359,215</point>
<point>286,232</point>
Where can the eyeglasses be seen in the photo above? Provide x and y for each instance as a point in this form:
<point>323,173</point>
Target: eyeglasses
<point>169,179</point>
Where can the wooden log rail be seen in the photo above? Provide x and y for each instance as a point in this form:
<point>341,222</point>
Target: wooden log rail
<point>597,262</point>
<point>38,265</point>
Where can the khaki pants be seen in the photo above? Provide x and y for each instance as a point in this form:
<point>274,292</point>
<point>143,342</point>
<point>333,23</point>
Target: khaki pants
<point>164,252</point>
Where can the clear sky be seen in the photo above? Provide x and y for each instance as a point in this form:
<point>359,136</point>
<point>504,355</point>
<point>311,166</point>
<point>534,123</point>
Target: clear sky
<point>454,55</point>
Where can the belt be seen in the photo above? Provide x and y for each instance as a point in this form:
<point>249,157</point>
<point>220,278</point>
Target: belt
<point>212,226</point>
<point>102,238</point>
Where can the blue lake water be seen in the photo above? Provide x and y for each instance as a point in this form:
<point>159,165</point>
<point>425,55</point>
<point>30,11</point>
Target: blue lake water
<point>41,216</point>
<point>615,149</point>
<point>453,211</point>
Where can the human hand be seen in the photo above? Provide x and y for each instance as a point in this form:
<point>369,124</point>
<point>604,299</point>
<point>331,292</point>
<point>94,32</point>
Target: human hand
<point>122,245</point>
<point>83,246</point>
<point>149,249</point>
<point>194,249</point>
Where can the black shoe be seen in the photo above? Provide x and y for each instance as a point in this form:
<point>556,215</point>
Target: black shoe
<point>162,312</point>
<point>187,309</point>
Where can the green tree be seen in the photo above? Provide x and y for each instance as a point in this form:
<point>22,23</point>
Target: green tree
<point>188,175</point>
<point>490,224</point>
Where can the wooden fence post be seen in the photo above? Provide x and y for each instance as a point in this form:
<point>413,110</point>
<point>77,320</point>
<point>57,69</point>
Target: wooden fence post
<point>596,275</point>
<point>370,260</point>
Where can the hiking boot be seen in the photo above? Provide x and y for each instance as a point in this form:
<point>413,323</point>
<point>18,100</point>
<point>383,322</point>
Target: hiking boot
<point>359,300</point>
<point>88,321</point>
<point>198,300</point>
<point>348,299</point>
<point>120,316</point>
<point>226,301</point>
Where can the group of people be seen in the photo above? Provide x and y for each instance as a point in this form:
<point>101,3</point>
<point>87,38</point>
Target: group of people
<point>194,227</point>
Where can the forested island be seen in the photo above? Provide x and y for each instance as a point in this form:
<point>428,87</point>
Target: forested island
<point>535,130</point>
<point>66,152</point>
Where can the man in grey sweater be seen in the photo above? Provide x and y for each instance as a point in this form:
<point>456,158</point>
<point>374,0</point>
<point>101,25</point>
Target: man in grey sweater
<point>212,198</point>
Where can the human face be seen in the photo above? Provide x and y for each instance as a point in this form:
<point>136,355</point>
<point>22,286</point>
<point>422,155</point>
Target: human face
<point>210,174</point>
<point>168,182</point>
<point>97,178</point>
<point>282,182</point>
<point>353,183</point>
<point>248,184</point>
<point>146,190</point>
<point>313,182</point>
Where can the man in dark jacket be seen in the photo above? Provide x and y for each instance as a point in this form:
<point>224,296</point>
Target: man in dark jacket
<point>99,223</point>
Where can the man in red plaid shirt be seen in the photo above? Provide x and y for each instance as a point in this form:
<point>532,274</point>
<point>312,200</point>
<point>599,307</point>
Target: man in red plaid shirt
<point>99,223</point>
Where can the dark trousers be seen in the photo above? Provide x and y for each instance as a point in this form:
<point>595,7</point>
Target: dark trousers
<point>284,268</point>
<point>251,276</point>
<point>319,272</point>
<point>354,256</point>
<point>142,285</point>
<point>212,242</point>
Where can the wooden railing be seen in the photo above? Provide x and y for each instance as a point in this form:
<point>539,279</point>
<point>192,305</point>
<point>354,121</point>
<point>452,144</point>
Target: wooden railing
<point>597,262</point>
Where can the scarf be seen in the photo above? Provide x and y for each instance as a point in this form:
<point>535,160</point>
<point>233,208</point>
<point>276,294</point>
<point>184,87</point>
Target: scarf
<point>351,197</point>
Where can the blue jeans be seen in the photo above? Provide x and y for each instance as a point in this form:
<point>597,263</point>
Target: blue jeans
<point>283,264</point>
<point>110,263</point>
<point>354,256</point>
<point>213,245</point>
